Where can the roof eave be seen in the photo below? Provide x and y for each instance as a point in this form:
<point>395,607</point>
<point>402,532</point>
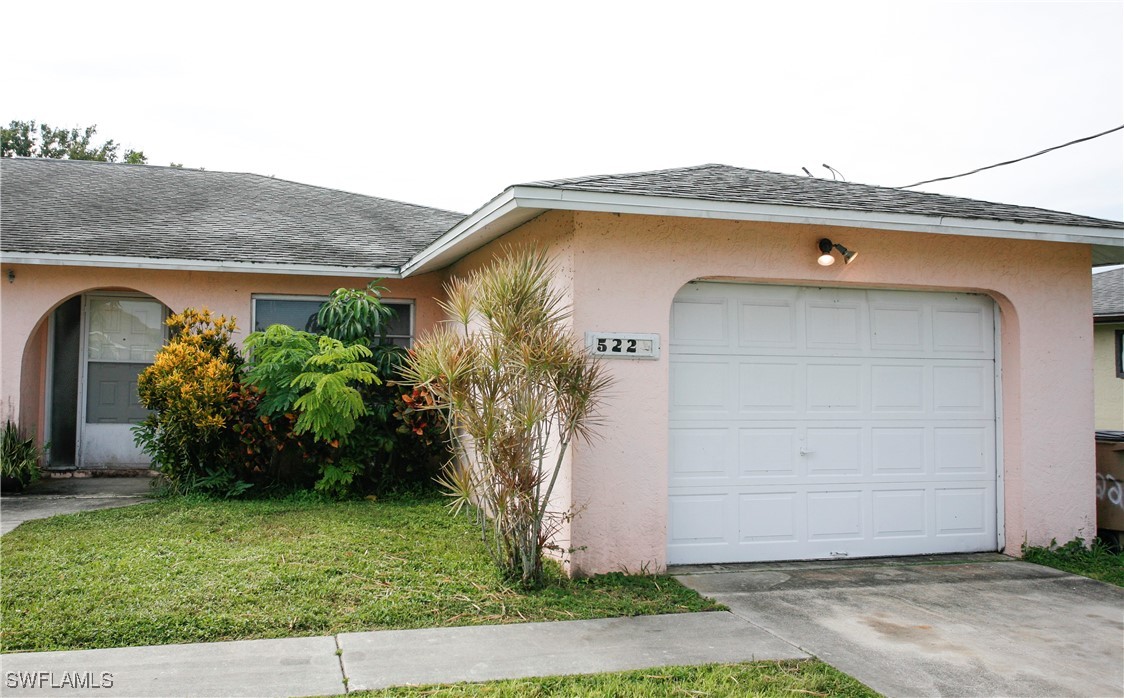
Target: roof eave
<point>518,204</point>
<point>164,264</point>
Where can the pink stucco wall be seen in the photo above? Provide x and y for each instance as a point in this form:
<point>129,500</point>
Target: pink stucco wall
<point>36,290</point>
<point>627,270</point>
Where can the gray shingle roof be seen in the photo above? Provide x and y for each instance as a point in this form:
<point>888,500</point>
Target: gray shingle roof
<point>1108,293</point>
<point>735,184</point>
<point>92,208</point>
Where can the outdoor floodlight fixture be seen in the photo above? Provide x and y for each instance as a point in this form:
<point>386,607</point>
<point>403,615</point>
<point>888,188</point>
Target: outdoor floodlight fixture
<point>826,259</point>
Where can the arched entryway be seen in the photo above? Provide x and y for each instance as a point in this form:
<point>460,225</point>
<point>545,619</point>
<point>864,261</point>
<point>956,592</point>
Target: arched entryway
<point>96,345</point>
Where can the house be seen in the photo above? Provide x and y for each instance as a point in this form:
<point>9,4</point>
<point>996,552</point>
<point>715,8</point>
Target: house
<point>94,254</point>
<point>1108,348</point>
<point>927,395</point>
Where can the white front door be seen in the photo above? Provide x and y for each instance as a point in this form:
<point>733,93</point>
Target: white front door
<point>121,335</point>
<point>826,423</point>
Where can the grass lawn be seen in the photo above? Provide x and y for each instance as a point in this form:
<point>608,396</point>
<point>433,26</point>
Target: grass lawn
<point>1097,561</point>
<point>184,570</point>
<point>788,678</point>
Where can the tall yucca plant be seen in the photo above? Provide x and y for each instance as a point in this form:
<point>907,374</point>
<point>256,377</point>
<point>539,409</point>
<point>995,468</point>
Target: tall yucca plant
<point>518,390</point>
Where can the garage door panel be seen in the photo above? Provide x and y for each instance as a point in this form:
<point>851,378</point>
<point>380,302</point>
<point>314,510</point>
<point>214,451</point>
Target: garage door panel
<point>897,513</point>
<point>964,388</point>
<point>768,451</point>
<point>768,324</point>
<point>835,387</point>
<point>727,451</point>
<point>964,450</point>
<point>897,451</point>
<point>898,328</point>
<point>963,329</point>
<point>849,423</point>
<point>835,515</point>
<point>961,510</point>
<point>898,388</point>
<point>834,325</point>
<point>769,386</point>
<point>700,322</point>
<point>701,455</point>
<point>834,451</point>
<point>700,519</point>
<point>769,517</point>
<point>702,385</point>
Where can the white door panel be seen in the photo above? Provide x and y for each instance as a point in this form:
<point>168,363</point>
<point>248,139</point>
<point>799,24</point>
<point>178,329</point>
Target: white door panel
<point>810,423</point>
<point>121,338</point>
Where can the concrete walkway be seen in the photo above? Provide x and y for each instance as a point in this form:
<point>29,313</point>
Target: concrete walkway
<point>321,666</point>
<point>978,625</point>
<point>49,497</point>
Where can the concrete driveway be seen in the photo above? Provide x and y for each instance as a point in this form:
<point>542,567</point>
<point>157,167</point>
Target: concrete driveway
<point>971,625</point>
<point>70,495</point>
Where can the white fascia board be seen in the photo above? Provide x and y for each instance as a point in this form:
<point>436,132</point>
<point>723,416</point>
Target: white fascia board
<point>500,215</point>
<point>516,205</point>
<point>73,260</point>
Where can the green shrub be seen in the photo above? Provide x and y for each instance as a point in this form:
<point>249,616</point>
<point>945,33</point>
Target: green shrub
<point>187,388</point>
<point>19,456</point>
<point>334,404</point>
<point>519,390</point>
<point>356,316</point>
<point>1097,559</point>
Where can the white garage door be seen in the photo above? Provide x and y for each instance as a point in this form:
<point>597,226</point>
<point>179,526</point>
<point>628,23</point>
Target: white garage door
<point>819,423</point>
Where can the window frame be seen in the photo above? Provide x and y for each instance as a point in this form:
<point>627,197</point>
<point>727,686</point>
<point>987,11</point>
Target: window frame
<point>408,302</point>
<point>1119,353</point>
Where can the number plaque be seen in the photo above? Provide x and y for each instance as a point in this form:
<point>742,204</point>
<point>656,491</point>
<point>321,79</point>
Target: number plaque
<point>623,345</point>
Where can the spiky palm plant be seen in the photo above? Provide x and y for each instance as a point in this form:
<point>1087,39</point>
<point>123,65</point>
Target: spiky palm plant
<point>518,390</point>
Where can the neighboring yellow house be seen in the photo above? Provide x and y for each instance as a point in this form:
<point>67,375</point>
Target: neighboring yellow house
<point>1108,347</point>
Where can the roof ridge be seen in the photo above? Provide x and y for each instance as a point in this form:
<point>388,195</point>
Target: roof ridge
<point>594,178</point>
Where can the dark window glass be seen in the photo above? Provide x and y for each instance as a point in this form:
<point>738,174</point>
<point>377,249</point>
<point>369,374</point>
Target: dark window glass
<point>301,315</point>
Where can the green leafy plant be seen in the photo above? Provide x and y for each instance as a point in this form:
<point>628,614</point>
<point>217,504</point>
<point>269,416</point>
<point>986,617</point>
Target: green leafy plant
<point>330,404</point>
<point>187,388</point>
<point>1096,559</point>
<point>311,405</point>
<point>315,379</point>
<point>277,356</point>
<point>356,316</point>
<point>518,390</point>
<point>19,456</point>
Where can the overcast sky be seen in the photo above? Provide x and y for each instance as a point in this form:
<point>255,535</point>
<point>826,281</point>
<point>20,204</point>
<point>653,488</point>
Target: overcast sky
<point>445,104</point>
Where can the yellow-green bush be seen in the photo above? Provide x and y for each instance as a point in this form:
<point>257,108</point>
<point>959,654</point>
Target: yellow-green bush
<point>188,387</point>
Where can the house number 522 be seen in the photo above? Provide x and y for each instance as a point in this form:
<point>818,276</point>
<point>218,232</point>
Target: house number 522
<point>623,345</point>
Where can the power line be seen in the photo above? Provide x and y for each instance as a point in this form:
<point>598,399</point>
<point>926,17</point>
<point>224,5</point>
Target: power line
<point>1011,162</point>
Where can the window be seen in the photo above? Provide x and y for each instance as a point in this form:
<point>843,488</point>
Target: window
<point>299,312</point>
<point>1120,353</point>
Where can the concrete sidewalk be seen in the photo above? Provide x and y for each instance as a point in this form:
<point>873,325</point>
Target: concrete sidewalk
<point>50,497</point>
<point>323,666</point>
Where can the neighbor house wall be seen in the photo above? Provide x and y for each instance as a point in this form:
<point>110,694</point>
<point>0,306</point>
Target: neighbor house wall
<point>36,290</point>
<point>1108,387</point>
<point>627,270</point>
